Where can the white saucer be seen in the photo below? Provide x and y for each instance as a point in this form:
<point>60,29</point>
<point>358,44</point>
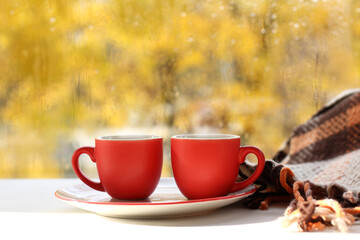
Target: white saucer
<point>166,201</point>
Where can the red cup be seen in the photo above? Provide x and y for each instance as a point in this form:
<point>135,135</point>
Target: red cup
<point>206,166</point>
<point>129,167</point>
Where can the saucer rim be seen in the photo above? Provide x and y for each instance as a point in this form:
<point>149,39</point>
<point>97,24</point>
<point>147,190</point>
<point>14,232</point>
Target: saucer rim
<point>236,194</point>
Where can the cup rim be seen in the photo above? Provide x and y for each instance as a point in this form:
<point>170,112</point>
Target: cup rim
<point>205,136</point>
<point>128,137</point>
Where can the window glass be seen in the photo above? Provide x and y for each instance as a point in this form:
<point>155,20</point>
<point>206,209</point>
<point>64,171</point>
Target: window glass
<point>71,71</point>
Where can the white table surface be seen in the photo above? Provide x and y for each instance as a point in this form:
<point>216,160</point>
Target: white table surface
<point>30,210</point>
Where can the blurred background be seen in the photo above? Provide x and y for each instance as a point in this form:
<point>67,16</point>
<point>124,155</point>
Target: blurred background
<point>74,70</point>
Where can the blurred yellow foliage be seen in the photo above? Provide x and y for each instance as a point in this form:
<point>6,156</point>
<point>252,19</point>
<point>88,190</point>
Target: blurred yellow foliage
<point>254,68</point>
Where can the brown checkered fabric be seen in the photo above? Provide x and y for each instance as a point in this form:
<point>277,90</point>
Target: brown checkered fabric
<point>320,160</point>
<point>333,131</point>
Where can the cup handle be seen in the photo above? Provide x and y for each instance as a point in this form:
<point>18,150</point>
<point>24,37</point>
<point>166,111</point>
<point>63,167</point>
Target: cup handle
<point>242,153</point>
<point>75,165</point>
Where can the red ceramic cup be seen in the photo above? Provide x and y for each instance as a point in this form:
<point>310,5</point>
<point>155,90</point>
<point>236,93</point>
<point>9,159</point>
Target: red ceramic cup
<point>206,166</point>
<point>129,167</point>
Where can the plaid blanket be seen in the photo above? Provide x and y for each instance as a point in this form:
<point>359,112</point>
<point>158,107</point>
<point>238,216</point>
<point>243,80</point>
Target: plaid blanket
<point>317,170</point>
